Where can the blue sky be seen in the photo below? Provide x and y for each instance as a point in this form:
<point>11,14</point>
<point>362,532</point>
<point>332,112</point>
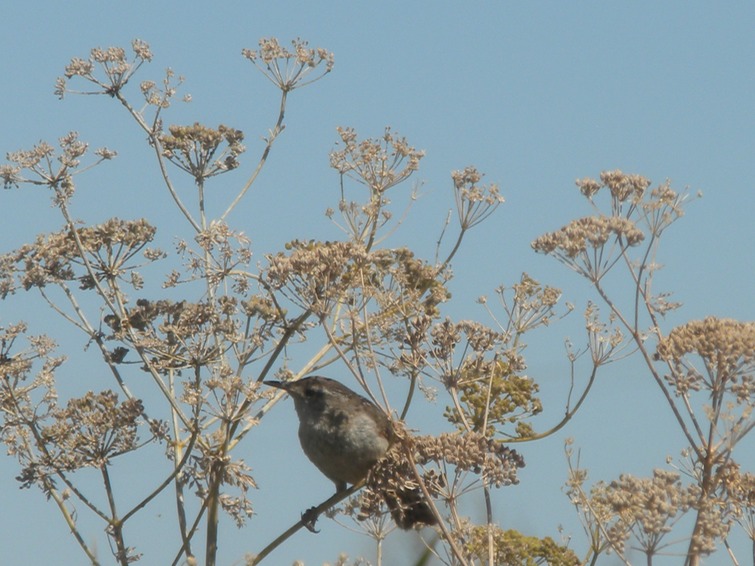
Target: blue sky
<point>534,94</point>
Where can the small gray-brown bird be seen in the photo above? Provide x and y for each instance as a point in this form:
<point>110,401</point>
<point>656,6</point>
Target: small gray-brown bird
<point>344,435</point>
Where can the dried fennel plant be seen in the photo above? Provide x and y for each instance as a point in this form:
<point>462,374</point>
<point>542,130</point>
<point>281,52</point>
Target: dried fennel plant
<point>703,369</point>
<point>186,370</point>
<point>229,323</point>
<point>205,356</point>
<point>381,312</point>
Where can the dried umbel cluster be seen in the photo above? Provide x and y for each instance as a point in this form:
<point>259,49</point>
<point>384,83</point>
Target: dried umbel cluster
<point>290,69</point>
<point>43,165</point>
<point>645,506</point>
<point>448,335</point>
<point>113,61</point>
<point>318,275</point>
<point>197,149</point>
<point>727,350</point>
<point>591,232</point>
<point>315,274</point>
<point>180,334</point>
<point>622,187</point>
<point>48,439</point>
<point>474,202</point>
<point>592,245</point>
<point>27,375</point>
<point>739,493</point>
<point>487,461</point>
<point>379,163</point>
<point>647,509</point>
<point>107,250</point>
<point>494,462</point>
<point>605,339</point>
<point>531,305</point>
<point>392,482</point>
<point>221,255</point>
<point>629,198</point>
<point>89,432</point>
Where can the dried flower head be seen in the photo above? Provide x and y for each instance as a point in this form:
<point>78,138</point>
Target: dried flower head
<point>223,254</point>
<point>45,166</point>
<point>727,350</point>
<point>290,69</point>
<point>378,163</point>
<point>581,244</point>
<point>644,508</point>
<point>474,202</point>
<point>27,383</point>
<point>208,466</point>
<point>630,199</point>
<point>91,430</point>
<point>528,304</point>
<point>471,452</point>
<point>647,507</point>
<point>196,149</point>
<point>89,255</point>
<point>160,96</point>
<point>712,525</point>
<point>624,187</point>
<point>392,480</point>
<point>739,492</point>
<point>179,334</point>
<point>314,274</point>
<point>317,275</point>
<point>114,63</point>
<point>605,339</point>
<point>593,232</point>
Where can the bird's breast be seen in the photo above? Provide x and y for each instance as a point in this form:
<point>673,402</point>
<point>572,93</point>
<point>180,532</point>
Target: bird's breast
<point>343,446</point>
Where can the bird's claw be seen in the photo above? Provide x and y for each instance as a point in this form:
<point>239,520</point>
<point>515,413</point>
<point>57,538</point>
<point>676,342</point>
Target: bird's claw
<point>309,518</point>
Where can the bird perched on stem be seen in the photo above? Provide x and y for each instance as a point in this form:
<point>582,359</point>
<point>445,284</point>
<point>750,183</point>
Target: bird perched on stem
<point>344,435</point>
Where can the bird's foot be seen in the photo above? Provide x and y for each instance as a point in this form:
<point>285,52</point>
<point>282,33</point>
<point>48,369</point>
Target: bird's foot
<point>309,518</point>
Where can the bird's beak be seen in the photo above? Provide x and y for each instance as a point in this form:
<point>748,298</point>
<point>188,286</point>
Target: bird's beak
<point>278,384</point>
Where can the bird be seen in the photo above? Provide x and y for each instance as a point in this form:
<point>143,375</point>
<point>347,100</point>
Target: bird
<point>344,435</point>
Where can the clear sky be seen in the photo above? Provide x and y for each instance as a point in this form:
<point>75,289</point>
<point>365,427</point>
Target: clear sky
<point>534,94</point>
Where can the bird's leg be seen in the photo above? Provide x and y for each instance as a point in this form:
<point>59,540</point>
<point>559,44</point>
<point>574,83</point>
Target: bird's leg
<point>310,516</point>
